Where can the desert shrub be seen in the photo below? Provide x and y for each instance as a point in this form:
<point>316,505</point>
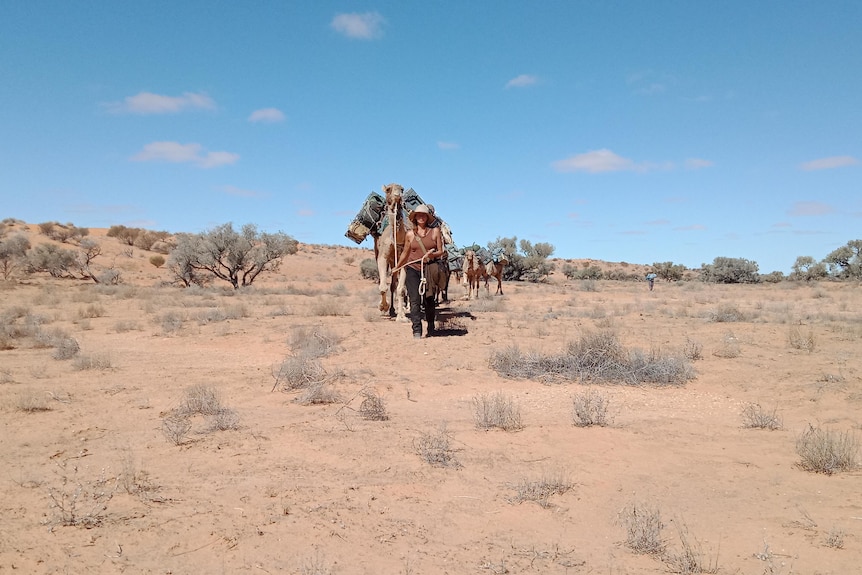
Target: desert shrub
<point>171,321</point>
<point>690,559</point>
<point>176,427</point>
<point>727,312</point>
<point>81,503</point>
<point>200,399</point>
<point>589,285</point>
<point>313,341</point>
<point>329,306</point>
<point>591,408</point>
<point>692,350</point>
<point>756,417</point>
<point>319,393</point>
<point>435,448</point>
<point>669,271</point>
<point>540,490</point>
<point>223,419</point>
<point>99,361</point>
<point>373,407</point>
<point>729,347</point>
<point>91,311</point>
<point>798,340</point>
<point>65,348</point>
<point>298,372</point>
<point>13,254</point>
<point>157,260</point>
<point>730,271</point>
<point>32,402</point>
<point>827,451</point>
<point>595,357</point>
<point>496,410</point>
<point>643,525</point>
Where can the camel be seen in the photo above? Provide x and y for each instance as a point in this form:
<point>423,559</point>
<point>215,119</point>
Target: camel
<point>386,251</point>
<point>471,271</point>
<point>494,269</point>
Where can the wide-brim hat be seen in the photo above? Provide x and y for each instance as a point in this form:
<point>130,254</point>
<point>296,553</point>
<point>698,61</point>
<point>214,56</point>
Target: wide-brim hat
<point>421,209</point>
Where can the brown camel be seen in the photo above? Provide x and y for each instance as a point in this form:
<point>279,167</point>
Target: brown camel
<point>471,271</point>
<point>387,248</point>
<point>494,269</point>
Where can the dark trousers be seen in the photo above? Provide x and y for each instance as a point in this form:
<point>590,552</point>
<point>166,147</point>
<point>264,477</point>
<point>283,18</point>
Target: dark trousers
<point>413,280</point>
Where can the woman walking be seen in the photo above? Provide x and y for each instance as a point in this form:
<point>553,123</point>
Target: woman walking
<point>422,248</point>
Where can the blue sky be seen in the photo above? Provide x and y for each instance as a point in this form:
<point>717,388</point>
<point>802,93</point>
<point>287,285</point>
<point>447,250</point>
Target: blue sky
<point>622,131</point>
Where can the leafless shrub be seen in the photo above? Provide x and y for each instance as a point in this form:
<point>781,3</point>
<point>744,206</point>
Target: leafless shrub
<point>595,357</point>
<point>176,427</point>
<point>799,341</point>
<point>32,402</point>
<point>329,306</point>
<point>692,350</point>
<point>643,525</point>
<point>223,420</point>
<point>200,399</point>
<point>298,372</point>
<point>827,451</point>
<point>92,310</point>
<point>97,361</point>
<point>727,312</point>
<point>316,565</point>
<point>492,410</point>
<point>136,481</point>
<point>591,408</point>
<point>373,407</point>
<point>729,347</point>
<point>835,538</point>
<point>81,503</point>
<point>313,341</point>
<point>436,449</point>
<point>541,490</point>
<point>756,417</point>
<point>691,558</point>
<point>319,393</point>
<point>171,321</point>
<point>126,325</point>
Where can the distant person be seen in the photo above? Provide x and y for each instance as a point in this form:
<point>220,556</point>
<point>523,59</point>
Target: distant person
<point>650,278</point>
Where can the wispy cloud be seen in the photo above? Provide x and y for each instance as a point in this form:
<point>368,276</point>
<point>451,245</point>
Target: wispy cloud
<point>829,163</point>
<point>177,153</point>
<point>365,26</point>
<point>241,193</point>
<point>810,209</point>
<point>147,103</point>
<point>596,162</point>
<point>448,145</point>
<point>267,115</point>
<point>698,164</point>
<point>522,81</point>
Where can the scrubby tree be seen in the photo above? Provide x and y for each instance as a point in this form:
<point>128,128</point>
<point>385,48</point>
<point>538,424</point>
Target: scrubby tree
<point>730,271</point>
<point>71,264</point>
<point>668,271</point>
<point>235,257</point>
<point>13,251</point>
<point>806,268</point>
<point>530,263</point>
<point>846,261</point>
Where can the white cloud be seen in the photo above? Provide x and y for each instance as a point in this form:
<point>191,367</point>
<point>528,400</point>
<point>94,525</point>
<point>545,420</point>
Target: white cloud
<point>177,153</point>
<point>595,162</point>
<point>148,103</point>
<point>698,163</point>
<point>522,81</point>
<point>829,163</point>
<point>365,26</point>
<point>448,145</point>
<point>810,209</point>
<point>267,115</point>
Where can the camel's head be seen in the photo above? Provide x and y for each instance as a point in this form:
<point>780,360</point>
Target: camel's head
<point>469,255</point>
<point>393,192</point>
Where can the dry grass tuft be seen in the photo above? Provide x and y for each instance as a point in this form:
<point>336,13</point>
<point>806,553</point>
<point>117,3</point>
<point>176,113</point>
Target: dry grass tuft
<point>32,402</point>
<point>373,407</point>
<point>691,558</point>
<point>756,417</point>
<point>591,408</point>
<point>319,393</point>
<point>827,451</point>
<point>643,525</point>
<point>496,410</point>
<point>298,372</point>
<point>176,427</point>
<point>797,340</point>
<point>727,312</point>
<point>313,341</point>
<point>435,448</point>
<point>541,490</point>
